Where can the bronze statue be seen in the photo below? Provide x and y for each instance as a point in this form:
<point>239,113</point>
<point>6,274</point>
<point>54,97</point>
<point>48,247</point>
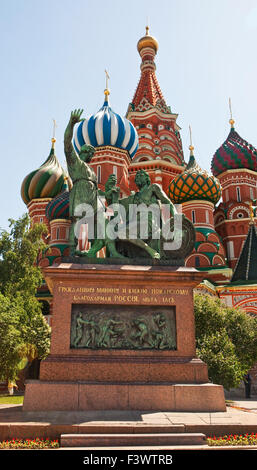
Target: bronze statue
<point>112,192</point>
<point>142,211</point>
<point>84,191</point>
<point>147,195</point>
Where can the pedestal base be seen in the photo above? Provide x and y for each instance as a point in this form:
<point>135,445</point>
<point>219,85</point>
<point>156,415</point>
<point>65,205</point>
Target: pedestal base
<point>123,338</point>
<point>124,368</point>
<point>77,396</point>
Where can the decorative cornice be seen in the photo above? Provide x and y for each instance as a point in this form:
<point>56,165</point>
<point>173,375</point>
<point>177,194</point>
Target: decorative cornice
<point>60,221</point>
<point>38,200</point>
<point>153,111</point>
<point>157,163</point>
<point>232,172</point>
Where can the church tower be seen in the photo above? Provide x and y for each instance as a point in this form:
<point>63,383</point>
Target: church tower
<point>235,166</point>
<point>198,192</point>
<point>160,148</point>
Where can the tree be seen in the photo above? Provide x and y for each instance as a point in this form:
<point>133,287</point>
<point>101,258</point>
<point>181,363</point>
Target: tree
<point>24,333</point>
<point>226,339</point>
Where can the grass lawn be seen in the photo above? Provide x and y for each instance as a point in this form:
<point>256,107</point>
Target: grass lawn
<point>11,399</point>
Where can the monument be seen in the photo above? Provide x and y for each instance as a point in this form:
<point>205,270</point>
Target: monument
<point>123,333</point>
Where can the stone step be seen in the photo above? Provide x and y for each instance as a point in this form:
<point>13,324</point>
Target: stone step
<point>114,440</point>
<point>129,428</point>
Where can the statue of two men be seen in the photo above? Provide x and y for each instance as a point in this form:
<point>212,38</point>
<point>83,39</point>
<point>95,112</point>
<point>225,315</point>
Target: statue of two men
<point>85,191</point>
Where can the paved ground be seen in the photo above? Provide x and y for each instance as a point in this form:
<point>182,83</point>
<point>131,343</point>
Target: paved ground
<point>241,416</point>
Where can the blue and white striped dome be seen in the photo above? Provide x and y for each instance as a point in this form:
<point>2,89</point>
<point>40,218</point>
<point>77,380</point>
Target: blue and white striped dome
<point>106,128</point>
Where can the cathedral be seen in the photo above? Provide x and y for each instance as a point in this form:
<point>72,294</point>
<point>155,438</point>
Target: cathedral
<point>220,205</point>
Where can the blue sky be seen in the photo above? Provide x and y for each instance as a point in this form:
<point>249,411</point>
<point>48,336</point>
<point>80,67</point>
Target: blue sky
<point>54,53</point>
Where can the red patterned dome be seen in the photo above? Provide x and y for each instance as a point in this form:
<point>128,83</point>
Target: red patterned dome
<point>233,154</point>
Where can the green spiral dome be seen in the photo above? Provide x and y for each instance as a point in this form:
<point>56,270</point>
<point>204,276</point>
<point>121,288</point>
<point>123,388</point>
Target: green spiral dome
<point>45,182</point>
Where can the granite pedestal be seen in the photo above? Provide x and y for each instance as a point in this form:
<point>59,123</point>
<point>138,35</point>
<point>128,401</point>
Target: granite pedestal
<point>80,375</point>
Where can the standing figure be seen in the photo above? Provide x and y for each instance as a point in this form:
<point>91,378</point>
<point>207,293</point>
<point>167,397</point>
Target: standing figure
<point>79,329</point>
<point>92,329</point>
<point>85,191</point>
<point>84,181</point>
<point>161,333</point>
<point>247,383</point>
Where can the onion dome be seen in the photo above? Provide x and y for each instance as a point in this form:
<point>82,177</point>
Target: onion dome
<point>58,207</point>
<point>46,181</point>
<point>233,154</point>
<point>147,41</point>
<point>106,128</point>
<point>194,183</point>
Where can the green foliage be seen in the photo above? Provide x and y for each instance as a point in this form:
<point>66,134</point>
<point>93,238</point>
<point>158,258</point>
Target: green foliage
<point>19,250</point>
<point>10,338</point>
<point>226,339</point>
<point>218,351</point>
<point>24,333</point>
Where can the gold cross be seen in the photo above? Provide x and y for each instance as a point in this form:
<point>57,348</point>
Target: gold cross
<point>54,127</point>
<point>53,138</point>
<point>191,147</point>
<point>147,27</point>
<point>106,91</point>
<point>190,133</point>
<point>107,78</point>
<point>230,108</point>
<point>231,121</point>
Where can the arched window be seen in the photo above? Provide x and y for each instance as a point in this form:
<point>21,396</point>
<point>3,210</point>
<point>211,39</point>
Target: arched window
<point>238,194</point>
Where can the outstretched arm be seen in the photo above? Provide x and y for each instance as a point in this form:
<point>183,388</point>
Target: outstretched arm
<point>160,194</point>
<point>68,134</point>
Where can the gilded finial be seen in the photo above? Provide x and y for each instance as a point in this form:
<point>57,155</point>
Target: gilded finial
<point>106,91</point>
<point>53,138</point>
<point>231,121</point>
<point>191,147</point>
<point>147,41</point>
